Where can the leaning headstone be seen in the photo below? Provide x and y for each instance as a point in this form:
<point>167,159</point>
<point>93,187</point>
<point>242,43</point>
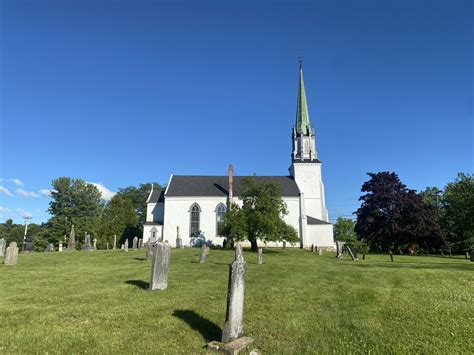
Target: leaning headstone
<point>94,244</point>
<point>260,256</point>
<point>115,242</point>
<point>135,243</point>
<point>234,322</point>
<point>140,243</point>
<point>126,245</point>
<point>391,255</point>
<point>159,267</point>
<point>11,254</point>
<point>349,250</point>
<point>2,247</point>
<point>204,252</point>
<point>179,241</point>
<point>60,247</point>
<point>49,248</point>
<point>71,244</point>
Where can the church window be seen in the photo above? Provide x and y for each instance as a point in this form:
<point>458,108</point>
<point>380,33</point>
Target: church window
<point>220,212</point>
<point>195,214</point>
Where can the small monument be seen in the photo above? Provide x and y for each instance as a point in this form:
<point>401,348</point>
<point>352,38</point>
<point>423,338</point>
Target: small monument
<point>71,245</point>
<point>122,247</point>
<point>149,250</point>
<point>115,242</point>
<point>312,248</point>
<point>179,241</point>
<point>126,245</point>
<point>135,243</point>
<point>320,251</point>
<point>28,247</point>
<point>352,254</point>
<point>391,255</point>
<point>60,247</point>
<point>204,253</point>
<point>232,335</point>
<point>94,244</point>
<point>260,256</point>
<point>11,254</point>
<point>140,243</point>
<point>159,267</point>
<point>339,248</point>
<point>284,244</point>
<point>87,242</point>
<point>49,248</point>
<point>3,244</point>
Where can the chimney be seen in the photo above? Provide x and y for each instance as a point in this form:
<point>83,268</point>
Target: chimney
<point>231,184</point>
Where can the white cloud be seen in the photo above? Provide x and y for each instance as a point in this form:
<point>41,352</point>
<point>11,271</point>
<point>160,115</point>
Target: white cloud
<point>5,191</point>
<point>23,213</point>
<point>4,209</point>
<point>17,182</point>
<point>26,194</point>
<point>45,192</point>
<point>106,193</point>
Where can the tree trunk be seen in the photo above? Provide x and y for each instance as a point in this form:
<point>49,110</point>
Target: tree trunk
<point>254,244</point>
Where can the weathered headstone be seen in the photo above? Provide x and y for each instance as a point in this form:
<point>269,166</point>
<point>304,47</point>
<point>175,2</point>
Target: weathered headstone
<point>320,251</point>
<point>179,241</point>
<point>284,244</point>
<point>60,247</point>
<point>107,245</point>
<point>204,253</point>
<point>135,243</point>
<point>260,256</point>
<point>467,255</point>
<point>115,242</point>
<point>122,247</point>
<point>49,248</point>
<point>140,243</point>
<point>2,246</point>
<point>391,255</point>
<point>234,322</point>
<point>94,244</point>
<point>71,244</point>
<point>363,256</point>
<point>312,248</point>
<point>159,267</point>
<point>349,250</point>
<point>11,254</point>
<point>126,245</point>
<point>87,242</point>
<point>339,248</point>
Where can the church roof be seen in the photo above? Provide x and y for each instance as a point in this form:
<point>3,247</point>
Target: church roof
<point>303,125</point>
<point>216,186</point>
<point>312,220</point>
<point>156,196</point>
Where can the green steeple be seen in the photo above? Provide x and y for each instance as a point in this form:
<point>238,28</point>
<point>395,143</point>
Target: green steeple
<point>303,125</point>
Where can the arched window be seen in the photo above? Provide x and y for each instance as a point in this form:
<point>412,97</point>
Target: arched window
<point>220,212</point>
<point>195,214</point>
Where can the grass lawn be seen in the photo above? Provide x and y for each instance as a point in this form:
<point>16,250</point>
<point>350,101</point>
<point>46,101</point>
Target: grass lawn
<point>296,302</point>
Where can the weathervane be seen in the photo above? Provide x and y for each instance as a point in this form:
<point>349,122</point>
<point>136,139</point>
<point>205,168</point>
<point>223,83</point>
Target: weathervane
<point>300,60</point>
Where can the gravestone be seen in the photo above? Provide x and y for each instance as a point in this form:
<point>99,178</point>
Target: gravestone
<point>135,243</point>
<point>320,251</point>
<point>94,245</point>
<point>159,267</point>
<point>234,322</point>
<point>71,244</point>
<point>149,250</point>
<point>107,245</point>
<point>115,242</point>
<point>140,243</point>
<point>472,254</point>
<point>312,248</point>
<point>126,245</point>
<point>339,248</point>
<point>204,253</point>
<point>28,247</point>
<point>60,247</point>
<point>391,255</point>
<point>260,256</point>
<point>179,241</point>
<point>49,248</point>
<point>2,247</point>
<point>349,250</point>
<point>11,254</point>
<point>122,247</point>
<point>87,242</point>
<point>467,255</point>
<point>284,244</point>
<point>363,256</point>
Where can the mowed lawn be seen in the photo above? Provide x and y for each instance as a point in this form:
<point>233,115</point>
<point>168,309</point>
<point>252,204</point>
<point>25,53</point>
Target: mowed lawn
<point>296,302</point>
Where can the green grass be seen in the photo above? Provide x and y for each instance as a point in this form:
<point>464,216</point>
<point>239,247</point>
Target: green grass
<point>297,302</point>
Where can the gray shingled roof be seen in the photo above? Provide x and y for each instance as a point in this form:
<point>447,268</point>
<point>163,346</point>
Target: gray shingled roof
<point>157,196</point>
<point>312,220</point>
<point>186,185</point>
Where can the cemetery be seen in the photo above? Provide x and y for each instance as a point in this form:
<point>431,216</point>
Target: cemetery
<point>296,301</point>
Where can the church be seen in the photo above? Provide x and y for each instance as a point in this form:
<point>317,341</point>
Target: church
<point>192,206</point>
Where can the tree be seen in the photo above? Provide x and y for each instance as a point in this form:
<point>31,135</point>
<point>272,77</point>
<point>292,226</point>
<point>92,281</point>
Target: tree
<point>392,216</point>
<point>138,196</point>
<point>458,212</point>
<point>344,230</point>
<point>260,217</point>
<point>119,219</point>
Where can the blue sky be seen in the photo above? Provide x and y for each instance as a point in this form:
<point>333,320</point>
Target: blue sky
<point>124,92</point>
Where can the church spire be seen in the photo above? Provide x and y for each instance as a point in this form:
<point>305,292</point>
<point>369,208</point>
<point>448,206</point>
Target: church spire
<point>303,125</point>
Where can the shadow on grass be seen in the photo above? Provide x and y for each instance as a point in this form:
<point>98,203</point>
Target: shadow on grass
<point>141,259</point>
<point>138,283</point>
<point>409,265</point>
<point>209,330</point>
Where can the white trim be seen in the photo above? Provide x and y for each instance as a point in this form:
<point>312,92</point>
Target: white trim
<point>169,183</point>
<point>149,196</point>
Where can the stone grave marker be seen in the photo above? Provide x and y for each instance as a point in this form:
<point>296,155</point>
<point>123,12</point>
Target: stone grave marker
<point>94,244</point>
<point>122,247</point>
<point>260,256</point>
<point>60,247</point>
<point>126,245</point>
<point>339,247</point>
<point>320,251</point>
<point>204,253</point>
<point>135,243</point>
<point>179,241</point>
<point>87,242</point>
<point>351,253</point>
<point>159,267</point>
<point>115,242</point>
<point>49,248</point>
<point>312,248</point>
<point>284,244</point>
<point>391,255</point>
<point>71,244</point>
<point>11,254</point>
<point>472,254</point>
<point>3,244</point>
<point>140,243</point>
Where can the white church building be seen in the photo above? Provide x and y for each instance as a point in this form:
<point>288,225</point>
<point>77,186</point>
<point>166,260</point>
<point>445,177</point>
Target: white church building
<point>195,204</point>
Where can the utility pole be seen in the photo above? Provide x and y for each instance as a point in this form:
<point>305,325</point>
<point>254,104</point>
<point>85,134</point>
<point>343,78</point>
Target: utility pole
<point>27,219</point>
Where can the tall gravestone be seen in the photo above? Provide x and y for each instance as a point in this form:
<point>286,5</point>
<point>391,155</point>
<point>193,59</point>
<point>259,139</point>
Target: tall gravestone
<point>60,246</point>
<point>179,241</point>
<point>11,254</point>
<point>87,242</point>
<point>260,256</point>
<point>125,245</point>
<point>115,242</point>
<point>71,245</point>
<point>159,267</point>
<point>140,243</point>
<point>284,244</point>
<point>2,247</point>
<point>94,244</point>
<point>472,254</point>
<point>391,255</point>
<point>204,253</point>
<point>339,248</point>
<point>234,322</point>
<point>135,243</point>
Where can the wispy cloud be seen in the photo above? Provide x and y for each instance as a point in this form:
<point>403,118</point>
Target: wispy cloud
<point>45,192</point>
<point>23,213</point>
<point>17,182</point>
<point>5,191</point>
<point>26,194</point>
<point>106,193</point>
<point>4,209</point>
